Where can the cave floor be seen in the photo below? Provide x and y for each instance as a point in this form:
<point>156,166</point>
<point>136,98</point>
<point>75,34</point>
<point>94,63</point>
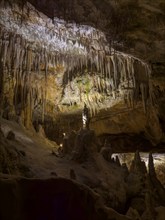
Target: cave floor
<point>42,163</point>
<point>38,162</point>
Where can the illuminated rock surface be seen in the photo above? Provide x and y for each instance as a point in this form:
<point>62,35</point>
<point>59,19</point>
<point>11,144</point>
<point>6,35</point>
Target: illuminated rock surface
<point>49,68</point>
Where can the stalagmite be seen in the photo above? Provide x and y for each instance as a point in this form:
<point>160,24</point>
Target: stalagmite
<point>137,165</point>
<point>153,178</point>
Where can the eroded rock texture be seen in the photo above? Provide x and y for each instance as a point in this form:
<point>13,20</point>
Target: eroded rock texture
<point>78,59</point>
<point>50,68</point>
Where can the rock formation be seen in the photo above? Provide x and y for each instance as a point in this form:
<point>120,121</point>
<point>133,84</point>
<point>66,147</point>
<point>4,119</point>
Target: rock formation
<point>35,49</point>
<point>83,146</point>
<point>135,191</point>
<point>79,65</point>
<point>154,181</point>
<point>55,58</point>
<point>56,198</point>
<point>137,165</point>
<point>147,190</point>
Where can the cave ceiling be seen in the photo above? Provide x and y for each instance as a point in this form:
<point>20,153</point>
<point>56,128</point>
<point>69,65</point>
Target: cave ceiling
<point>133,26</point>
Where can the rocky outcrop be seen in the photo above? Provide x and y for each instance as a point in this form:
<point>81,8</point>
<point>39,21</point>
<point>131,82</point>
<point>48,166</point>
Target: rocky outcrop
<point>58,198</point>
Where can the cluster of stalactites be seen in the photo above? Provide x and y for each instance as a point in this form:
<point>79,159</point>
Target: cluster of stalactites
<point>57,35</point>
<point>35,46</point>
<point>18,61</point>
<point>113,72</point>
<point>118,74</point>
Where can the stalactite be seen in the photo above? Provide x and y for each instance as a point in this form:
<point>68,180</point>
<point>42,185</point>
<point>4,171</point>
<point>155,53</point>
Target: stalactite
<point>142,89</point>
<point>6,43</point>
<point>21,61</point>
<point>39,62</point>
<point>115,71</point>
<point>80,51</point>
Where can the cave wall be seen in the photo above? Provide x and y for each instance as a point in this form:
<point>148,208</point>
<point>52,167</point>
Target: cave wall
<point>39,79</point>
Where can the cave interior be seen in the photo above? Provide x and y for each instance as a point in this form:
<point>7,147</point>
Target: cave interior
<point>82,103</point>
